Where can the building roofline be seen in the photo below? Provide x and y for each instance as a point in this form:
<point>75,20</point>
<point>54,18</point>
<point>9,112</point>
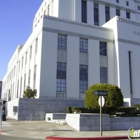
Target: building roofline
<point>76,22</point>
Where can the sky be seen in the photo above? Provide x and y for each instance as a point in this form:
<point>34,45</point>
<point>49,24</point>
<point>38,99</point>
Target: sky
<point>16,20</point>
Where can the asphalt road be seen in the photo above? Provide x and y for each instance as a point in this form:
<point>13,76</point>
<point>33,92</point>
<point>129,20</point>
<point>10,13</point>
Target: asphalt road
<point>4,137</point>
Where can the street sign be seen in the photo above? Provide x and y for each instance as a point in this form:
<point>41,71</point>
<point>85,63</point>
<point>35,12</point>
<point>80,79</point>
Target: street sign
<point>100,93</point>
<point>103,101</point>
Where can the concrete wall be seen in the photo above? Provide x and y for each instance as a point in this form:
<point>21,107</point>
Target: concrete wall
<point>36,109</point>
<point>10,110</point>
<point>88,122</point>
<point>124,123</point>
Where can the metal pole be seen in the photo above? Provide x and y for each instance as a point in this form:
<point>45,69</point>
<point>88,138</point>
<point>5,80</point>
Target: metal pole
<point>100,115</point>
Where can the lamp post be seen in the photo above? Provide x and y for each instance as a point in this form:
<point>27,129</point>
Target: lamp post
<point>101,102</point>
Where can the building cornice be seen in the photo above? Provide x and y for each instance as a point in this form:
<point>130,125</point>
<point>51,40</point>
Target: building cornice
<point>76,23</point>
<point>129,21</point>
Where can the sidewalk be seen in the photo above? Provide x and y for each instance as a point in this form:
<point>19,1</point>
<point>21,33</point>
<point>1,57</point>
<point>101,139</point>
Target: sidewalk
<point>42,129</point>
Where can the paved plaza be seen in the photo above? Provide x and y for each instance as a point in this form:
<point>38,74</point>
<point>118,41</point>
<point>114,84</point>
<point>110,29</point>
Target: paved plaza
<point>41,129</point>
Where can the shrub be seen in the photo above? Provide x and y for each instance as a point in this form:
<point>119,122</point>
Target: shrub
<point>114,98</point>
<point>82,110</point>
<point>29,93</point>
<point>137,107</point>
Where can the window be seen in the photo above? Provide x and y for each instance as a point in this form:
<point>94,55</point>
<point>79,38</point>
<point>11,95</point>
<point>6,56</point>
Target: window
<point>35,68</point>
<point>138,7</point>
<point>83,77</point>
<point>128,14</point>
<point>20,86</point>
<point>96,14</point>
<point>103,75</point>
<point>117,1</point>
<point>48,10</point>
<point>61,77</point>
<point>130,72</point>
<point>29,78</point>
<point>26,58</point>
<point>118,12</point>
<point>62,42</point>
<point>127,3</point>
<point>31,52</point>
<point>107,13</point>
<point>24,81</point>
<point>103,48</point>
<point>14,70</point>
<point>36,45</point>
<point>83,45</point>
<point>84,11</point>
<point>17,88</point>
<point>22,61</point>
<point>19,65</point>
<point>45,12</point>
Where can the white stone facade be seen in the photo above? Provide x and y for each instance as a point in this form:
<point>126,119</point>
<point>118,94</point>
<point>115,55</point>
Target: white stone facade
<point>35,63</point>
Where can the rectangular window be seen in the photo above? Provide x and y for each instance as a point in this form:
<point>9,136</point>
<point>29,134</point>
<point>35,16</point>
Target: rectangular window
<point>103,75</point>
<point>118,12</point>
<point>35,68</point>
<point>83,78</point>
<point>83,45</point>
<point>31,52</point>
<point>22,61</point>
<point>48,10</point>
<point>62,42</point>
<point>117,1</point>
<point>17,88</point>
<point>61,77</point>
<point>127,3</point>
<point>130,72</point>
<point>84,11</point>
<point>107,13</point>
<point>26,58</point>
<point>14,70</point>
<point>36,45</point>
<point>20,87</point>
<point>103,48</point>
<point>96,14</point>
<point>29,78</point>
<point>128,14</point>
<point>138,7</point>
<point>19,65</point>
<point>24,81</point>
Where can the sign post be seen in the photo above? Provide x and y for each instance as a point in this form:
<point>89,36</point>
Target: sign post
<point>100,115</point>
<point>101,102</point>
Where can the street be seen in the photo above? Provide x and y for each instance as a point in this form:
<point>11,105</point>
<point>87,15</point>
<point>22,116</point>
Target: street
<point>5,137</point>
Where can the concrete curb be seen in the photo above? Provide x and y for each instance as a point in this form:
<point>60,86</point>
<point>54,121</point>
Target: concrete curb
<point>94,138</point>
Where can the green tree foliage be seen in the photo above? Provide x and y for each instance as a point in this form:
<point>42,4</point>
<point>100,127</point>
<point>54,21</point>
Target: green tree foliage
<point>114,98</point>
<point>29,93</point>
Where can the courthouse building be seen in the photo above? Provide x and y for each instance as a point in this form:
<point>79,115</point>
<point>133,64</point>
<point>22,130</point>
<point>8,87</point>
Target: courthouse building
<point>75,44</point>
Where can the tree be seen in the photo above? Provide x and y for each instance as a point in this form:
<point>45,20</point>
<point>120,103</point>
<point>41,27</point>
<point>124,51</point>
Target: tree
<point>29,93</point>
<point>114,98</point>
